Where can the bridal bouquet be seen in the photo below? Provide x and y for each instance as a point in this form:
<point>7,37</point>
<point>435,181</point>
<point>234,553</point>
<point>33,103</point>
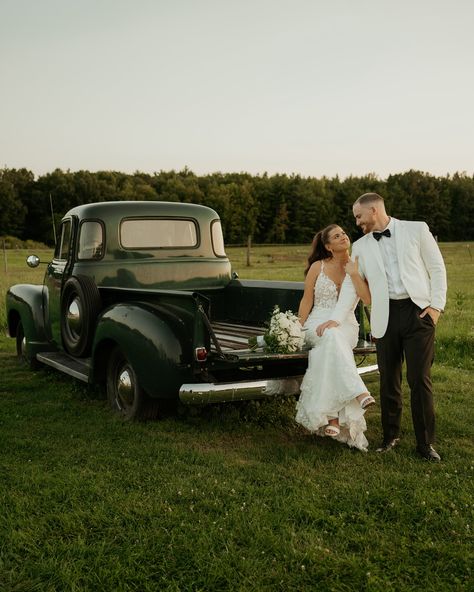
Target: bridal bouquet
<point>283,336</point>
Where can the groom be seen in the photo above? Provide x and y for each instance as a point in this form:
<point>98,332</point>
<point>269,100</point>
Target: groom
<point>405,271</point>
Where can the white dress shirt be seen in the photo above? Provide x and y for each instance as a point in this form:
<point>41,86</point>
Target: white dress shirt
<point>388,250</point>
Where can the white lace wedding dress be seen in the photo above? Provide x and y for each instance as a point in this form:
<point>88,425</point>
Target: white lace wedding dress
<point>332,382</point>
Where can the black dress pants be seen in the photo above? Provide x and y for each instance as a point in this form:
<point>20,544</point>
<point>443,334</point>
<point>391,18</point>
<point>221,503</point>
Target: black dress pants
<point>411,338</point>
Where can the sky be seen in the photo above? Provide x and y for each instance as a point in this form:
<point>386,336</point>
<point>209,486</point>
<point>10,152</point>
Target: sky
<point>309,87</point>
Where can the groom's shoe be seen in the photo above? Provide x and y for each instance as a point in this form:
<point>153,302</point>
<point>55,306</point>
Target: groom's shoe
<point>386,446</point>
<point>429,453</point>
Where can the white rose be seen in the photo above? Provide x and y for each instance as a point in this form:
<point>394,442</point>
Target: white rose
<point>295,331</point>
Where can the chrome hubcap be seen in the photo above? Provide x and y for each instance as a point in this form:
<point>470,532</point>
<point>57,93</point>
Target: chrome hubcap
<point>23,347</point>
<point>125,387</point>
<point>74,320</point>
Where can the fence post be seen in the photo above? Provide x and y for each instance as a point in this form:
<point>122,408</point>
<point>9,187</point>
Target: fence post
<point>5,263</point>
<point>249,246</point>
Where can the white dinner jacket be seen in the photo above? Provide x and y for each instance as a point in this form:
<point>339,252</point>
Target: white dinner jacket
<point>422,271</point>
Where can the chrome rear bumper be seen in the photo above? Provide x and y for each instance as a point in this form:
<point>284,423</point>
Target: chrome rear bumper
<point>202,393</point>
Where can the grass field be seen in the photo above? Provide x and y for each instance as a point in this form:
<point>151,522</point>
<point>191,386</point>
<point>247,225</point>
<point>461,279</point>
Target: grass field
<point>233,497</point>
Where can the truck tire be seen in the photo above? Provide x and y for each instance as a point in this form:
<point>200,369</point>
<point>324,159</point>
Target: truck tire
<point>80,307</point>
<point>21,349</point>
<point>124,393</point>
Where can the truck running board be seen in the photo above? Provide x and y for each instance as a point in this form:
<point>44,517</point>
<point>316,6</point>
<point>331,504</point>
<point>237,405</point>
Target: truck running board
<point>78,368</point>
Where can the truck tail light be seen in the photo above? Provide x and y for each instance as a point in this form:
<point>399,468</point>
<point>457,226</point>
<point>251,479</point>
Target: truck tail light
<point>200,353</point>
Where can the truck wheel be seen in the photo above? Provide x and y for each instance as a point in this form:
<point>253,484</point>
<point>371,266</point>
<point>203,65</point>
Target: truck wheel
<point>21,350</point>
<point>124,393</point>
<point>80,306</point>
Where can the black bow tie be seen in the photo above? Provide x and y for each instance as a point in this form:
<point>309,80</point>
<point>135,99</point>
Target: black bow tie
<point>378,235</point>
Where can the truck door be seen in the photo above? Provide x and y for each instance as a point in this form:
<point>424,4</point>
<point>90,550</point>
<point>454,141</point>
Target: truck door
<point>56,274</point>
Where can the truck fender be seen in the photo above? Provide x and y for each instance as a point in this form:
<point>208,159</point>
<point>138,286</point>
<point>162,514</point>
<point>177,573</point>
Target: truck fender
<point>148,341</point>
<point>25,311</point>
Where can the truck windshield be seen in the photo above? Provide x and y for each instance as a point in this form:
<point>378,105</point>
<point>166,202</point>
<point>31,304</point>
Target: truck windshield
<point>62,246</point>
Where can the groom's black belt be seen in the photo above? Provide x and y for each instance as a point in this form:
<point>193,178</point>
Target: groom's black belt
<point>400,301</point>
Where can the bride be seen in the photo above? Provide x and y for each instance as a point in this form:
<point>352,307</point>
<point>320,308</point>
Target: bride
<point>333,396</point>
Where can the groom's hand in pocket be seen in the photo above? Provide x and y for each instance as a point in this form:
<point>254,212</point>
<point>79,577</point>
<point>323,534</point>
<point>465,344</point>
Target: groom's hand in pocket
<point>433,312</point>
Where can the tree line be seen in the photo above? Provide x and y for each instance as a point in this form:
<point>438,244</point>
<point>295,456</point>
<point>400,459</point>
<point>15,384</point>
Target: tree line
<point>270,208</point>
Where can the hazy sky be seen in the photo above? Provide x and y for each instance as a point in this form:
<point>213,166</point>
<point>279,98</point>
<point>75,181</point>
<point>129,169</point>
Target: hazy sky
<point>314,87</point>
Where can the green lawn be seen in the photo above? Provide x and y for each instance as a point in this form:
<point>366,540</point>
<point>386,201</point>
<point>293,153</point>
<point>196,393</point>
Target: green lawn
<point>233,497</point>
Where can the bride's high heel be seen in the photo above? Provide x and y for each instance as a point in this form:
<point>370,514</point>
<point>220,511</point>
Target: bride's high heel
<point>332,430</point>
<point>366,401</point>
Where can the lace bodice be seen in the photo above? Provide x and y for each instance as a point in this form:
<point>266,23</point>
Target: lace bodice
<point>325,291</point>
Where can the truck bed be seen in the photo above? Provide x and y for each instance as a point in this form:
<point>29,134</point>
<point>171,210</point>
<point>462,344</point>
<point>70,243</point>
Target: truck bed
<point>233,338</point>
<point>255,374</point>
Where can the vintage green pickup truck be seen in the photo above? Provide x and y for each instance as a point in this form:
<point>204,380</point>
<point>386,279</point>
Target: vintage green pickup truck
<point>140,297</point>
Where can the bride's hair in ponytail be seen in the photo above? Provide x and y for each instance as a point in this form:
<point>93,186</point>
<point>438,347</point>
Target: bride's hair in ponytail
<point>318,246</point>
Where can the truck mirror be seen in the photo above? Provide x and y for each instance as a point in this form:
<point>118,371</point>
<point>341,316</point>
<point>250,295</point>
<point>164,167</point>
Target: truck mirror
<point>33,261</point>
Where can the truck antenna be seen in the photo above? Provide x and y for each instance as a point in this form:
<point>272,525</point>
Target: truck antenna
<point>52,216</point>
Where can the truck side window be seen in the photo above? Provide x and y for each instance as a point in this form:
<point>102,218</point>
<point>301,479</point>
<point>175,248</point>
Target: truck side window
<point>91,240</point>
<point>217,238</point>
<point>62,246</point>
